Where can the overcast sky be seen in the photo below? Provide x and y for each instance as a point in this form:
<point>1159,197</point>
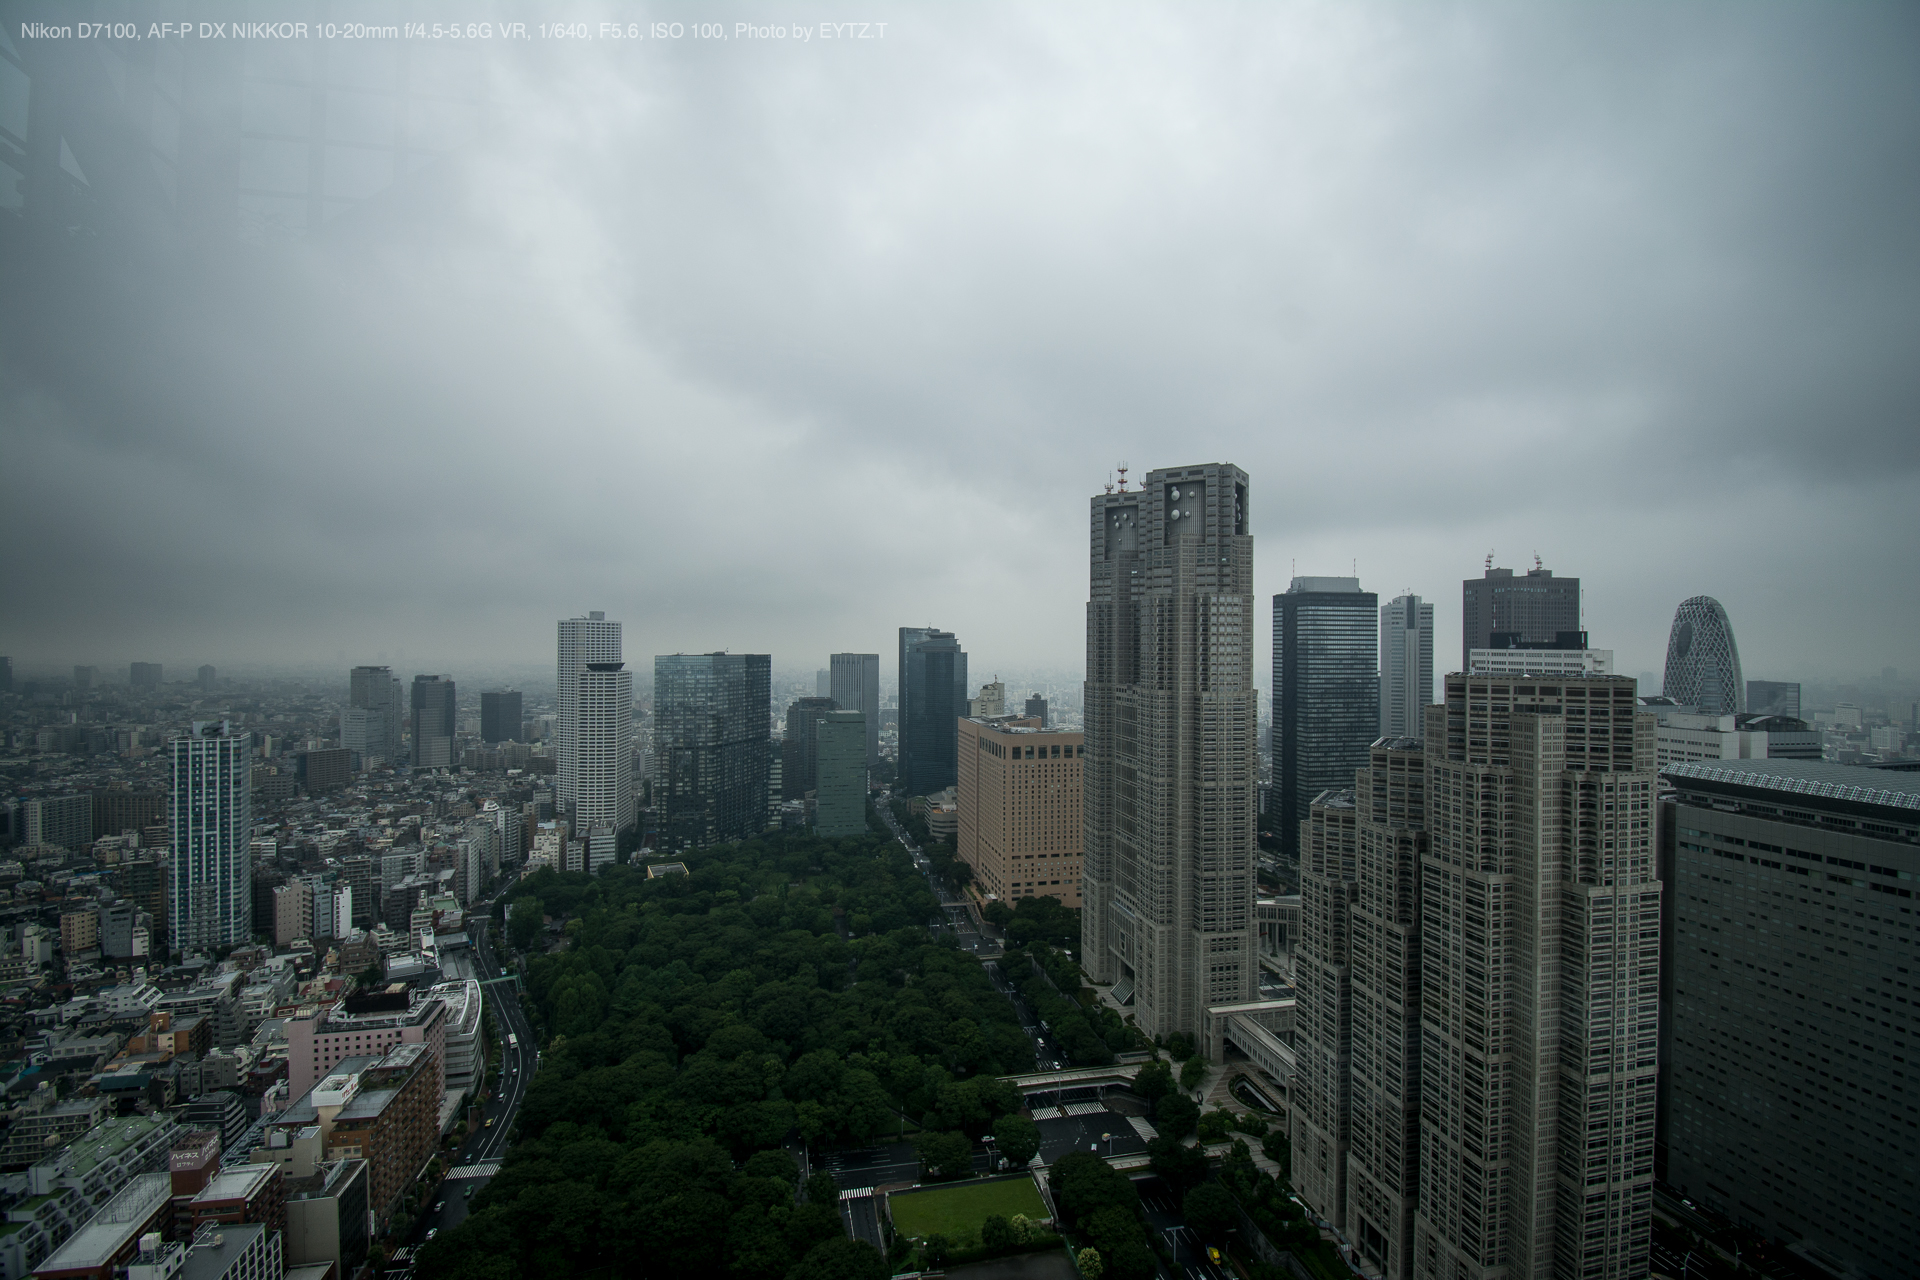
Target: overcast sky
<point>777,345</point>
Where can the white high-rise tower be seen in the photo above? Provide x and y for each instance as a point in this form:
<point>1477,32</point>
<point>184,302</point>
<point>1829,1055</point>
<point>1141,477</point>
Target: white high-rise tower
<point>582,640</point>
<point>1406,665</point>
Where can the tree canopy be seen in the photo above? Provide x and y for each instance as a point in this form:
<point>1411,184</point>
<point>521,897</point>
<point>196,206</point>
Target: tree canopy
<point>786,986</point>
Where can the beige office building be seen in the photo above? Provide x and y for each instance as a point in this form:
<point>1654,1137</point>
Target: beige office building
<point>1020,812</point>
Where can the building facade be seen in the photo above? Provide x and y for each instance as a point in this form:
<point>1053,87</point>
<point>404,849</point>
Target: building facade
<point>854,685</point>
<point>370,722</point>
<point>1539,926</point>
<point>710,746</point>
<point>1406,665</point>
<point>581,640</point>
<point>840,784</point>
<point>933,697</point>
<point>1021,816</point>
<point>800,748</point>
<point>1326,682</point>
<point>1787,998</point>
<point>602,758</point>
<point>1703,662</point>
<point>1774,698</point>
<point>501,717</point>
<point>1537,607</point>
<point>210,893</point>
<point>1171,774</point>
<point>435,721</point>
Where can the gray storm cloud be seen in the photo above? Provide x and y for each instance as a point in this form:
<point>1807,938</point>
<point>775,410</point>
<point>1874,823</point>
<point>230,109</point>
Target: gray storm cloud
<point>779,346</point>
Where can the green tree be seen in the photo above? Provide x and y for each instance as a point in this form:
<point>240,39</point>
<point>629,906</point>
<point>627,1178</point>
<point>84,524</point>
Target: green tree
<point>1215,1125</point>
<point>1277,1149</point>
<point>1181,1167</point>
<point>1154,1080</point>
<point>944,1155</point>
<point>1018,1139</point>
<point>523,924</point>
<point>934,1250</point>
<point>1175,1115</point>
<point>996,1232</point>
<point>841,1259</point>
<point>821,1189</point>
<point>1192,1071</point>
<point>1180,1046</point>
<point>1210,1211</point>
<point>1090,1264</point>
<point>1022,1228</point>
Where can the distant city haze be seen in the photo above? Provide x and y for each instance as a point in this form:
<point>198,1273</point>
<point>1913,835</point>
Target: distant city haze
<point>779,348</point>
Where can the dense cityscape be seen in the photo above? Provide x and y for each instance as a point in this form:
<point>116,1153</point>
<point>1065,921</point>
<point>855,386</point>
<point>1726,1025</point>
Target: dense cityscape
<point>658,642</point>
<point>1405,976</point>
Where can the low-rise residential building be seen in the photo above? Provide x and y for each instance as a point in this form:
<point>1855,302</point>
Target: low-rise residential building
<point>465,1049</point>
<point>106,1157</point>
<point>381,1109</point>
<point>46,1125</point>
<point>243,1193</point>
<point>111,1238</point>
<point>35,1227</point>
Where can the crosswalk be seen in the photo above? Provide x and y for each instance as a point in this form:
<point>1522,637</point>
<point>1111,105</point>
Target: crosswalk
<point>1046,1113</point>
<point>1141,1127</point>
<point>856,1193</point>
<point>1086,1108</point>
<point>484,1169</point>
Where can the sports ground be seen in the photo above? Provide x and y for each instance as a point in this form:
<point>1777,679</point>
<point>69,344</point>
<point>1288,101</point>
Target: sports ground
<point>949,1210</point>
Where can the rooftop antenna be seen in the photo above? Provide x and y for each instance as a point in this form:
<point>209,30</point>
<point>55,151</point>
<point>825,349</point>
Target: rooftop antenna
<point>1536,561</point>
<point>1109,482</point>
<point>1123,477</point>
<point>1489,559</point>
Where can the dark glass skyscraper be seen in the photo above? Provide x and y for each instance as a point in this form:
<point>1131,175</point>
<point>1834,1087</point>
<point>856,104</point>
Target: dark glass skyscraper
<point>933,697</point>
<point>799,752</point>
<point>854,685</point>
<point>1537,607</point>
<point>710,746</point>
<point>1326,680</point>
<point>434,722</point>
<point>501,717</point>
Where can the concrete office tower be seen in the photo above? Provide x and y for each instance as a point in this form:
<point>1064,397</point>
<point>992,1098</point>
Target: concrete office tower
<point>710,746</point>
<point>1356,1095</point>
<point>582,640</point>
<point>1786,1004</point>
<point>434,722</point>
<point>1326,682</point>
<point>370,722</point>
<point>933,697</point>
<point>1703,662</point>
<point>856,687</point>
<point>603,748</point>
<point>1037,709</point>
<point>144,675</point>
<point>799,749</point>
<point>66,821</point>
<point>1537,607</point>
<point>823,683</point>
<point>6,675</point>
<point>210,889</point>
<point>1022,819</point>
<point>205,677</point>
<point>1538,1002</point>
<point>1773,698</point>
<point>1406,665</point>
<point>501,718</point>
<point>1171,779</point>
<point>992,701</point>
<point>83,677</point>
<point>840,791</point>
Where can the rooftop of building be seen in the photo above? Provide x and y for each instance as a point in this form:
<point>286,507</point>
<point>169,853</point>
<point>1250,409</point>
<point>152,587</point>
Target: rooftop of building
<point>237,1182</point>
<point>326,1180</point>
<point>216,1246</point>
<point>119,1220</point>
<point>1818,778</point>
<point>1022,724</point>
<point>111,1137</point>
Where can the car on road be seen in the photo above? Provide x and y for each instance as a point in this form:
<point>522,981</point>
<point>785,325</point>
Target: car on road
<point>440,1207</point>
<point>490,1120</point>
<point>432,1232</point>
<point>1213,1255</point>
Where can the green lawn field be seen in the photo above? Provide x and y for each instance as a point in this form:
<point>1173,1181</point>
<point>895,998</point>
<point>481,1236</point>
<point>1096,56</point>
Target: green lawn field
<point>951,1209</point>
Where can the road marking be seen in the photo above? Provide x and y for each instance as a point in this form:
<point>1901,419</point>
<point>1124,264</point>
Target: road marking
<point>856,1193</point>
<point>1142,1128</point>
<point>485,1169</point>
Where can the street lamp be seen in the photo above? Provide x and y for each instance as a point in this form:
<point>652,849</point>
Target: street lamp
<point>1109,1141</point>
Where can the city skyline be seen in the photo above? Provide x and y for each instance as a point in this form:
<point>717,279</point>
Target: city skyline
<point>1599,292</point>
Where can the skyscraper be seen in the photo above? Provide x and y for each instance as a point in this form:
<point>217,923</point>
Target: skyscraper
<point>1171,767</point>
<point>602,757</point>
<point>855,686</point>
<point>83,677</point>
<point>210,889</point>
<point>434,722</point>
<point>1326,683</point>
<point>1022,819</point>
<point>1538,607</point>
<point>1774,698</point>
<point>370,722</point>
<point>933,697</point>
<point>1539,933</point>
<point>1703,662</point>
<point>1787,1004</point>
<point>144,675</point>
<point>1406,665</point>
<point>799,749</point>
<point>710,746</point>
<point>582,640</point>
<point>501,717</point>
<point>1037,709</point>
<point>205,676</point>
<point>840,792</point>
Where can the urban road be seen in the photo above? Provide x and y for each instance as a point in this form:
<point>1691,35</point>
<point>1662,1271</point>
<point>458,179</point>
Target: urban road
<point>477,1159</point>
